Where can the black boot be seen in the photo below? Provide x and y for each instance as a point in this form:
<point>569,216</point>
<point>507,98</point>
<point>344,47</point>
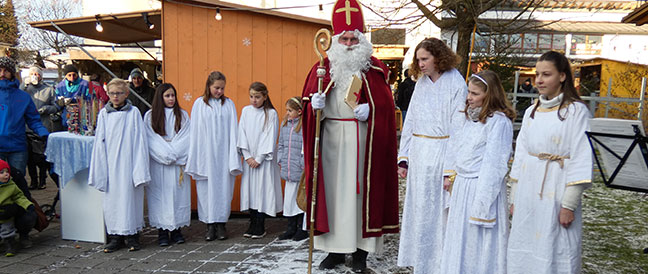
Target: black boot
<point>221,233</point>
<point>258,231</point>
<point>12,246</point>
<point>359,263</point>
<point>115,242</point>
<point>24,240</point>
<point>176,236</point>
<point>132,242</point>
<point>163,237</point>
<point>300,234</point>
<point>211,232</point>
<point>291,230</point>
<point>43,178</point>
<point>248,232</point>
<point>332,260</point>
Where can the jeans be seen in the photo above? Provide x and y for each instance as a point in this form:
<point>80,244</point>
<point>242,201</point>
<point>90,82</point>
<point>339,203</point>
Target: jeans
<point>16,159</point>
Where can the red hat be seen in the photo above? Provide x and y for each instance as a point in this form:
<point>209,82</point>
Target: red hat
<point>347,16</point>
<point>4,165</point>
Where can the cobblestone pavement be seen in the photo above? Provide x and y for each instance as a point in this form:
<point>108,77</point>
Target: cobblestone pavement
<point>51,254</point>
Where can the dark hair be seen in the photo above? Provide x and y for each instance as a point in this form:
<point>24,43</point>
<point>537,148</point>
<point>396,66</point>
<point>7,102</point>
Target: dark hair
<point>158,118</point>
<point>566,87</point>
<point>213,77</point>
<point>267,104</point>
<point>296,104</point>
<point>444,58</point>
<point>495,99</point>
<point>95,77</point>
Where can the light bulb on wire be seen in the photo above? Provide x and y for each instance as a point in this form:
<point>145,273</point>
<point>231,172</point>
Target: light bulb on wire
<point>218,15</point>
<point>99,27</point>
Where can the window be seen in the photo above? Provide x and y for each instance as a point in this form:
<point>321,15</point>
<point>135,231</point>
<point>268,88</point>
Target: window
<point>530,42</point>
<point>482,43</point>
<point>559,42</point>
<point>544,41</point>
<point>586,44</point>
<point>516,42</point>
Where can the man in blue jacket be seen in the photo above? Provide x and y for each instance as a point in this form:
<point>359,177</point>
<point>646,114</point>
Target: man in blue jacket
<point>16,110</point>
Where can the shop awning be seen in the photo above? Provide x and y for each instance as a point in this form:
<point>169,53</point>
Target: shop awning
<point>120,28</point>
<point>639,16</point>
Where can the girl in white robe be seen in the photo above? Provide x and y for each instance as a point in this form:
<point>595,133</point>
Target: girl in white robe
<point>119,167</point>
<point>257,143</point>
<point>169,193</point>
<point>212,160</point>
<point>552,167</point>
<point>477,229</point>
<point>434,115</point>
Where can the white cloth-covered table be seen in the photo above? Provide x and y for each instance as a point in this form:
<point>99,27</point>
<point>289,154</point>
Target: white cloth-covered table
<point>82,216</point>
<point>70,154</point>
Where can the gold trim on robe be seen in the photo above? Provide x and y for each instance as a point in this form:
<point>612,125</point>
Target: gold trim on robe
<point>431,137</point>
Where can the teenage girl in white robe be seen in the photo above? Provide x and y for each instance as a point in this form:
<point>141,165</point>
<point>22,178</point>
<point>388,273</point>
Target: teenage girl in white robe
<point>435,114</point>
<point>169,193</point>
<point>212,160</point>
<point>477,229</point>
<point>552,167</point>
<point>257,143</point>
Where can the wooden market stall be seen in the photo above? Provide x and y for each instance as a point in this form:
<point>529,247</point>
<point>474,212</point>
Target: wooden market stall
<point>247,45</point>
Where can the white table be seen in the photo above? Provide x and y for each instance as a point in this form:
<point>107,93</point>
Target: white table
<point>81,205</point>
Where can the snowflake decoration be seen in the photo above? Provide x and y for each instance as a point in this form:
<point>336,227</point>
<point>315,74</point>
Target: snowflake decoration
<point>187,96</point>
<point>247,42</point>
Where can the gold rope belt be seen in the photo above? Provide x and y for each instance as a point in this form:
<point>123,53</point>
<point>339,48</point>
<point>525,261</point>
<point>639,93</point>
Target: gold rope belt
<point>431,137</point>
<point>549,158</point>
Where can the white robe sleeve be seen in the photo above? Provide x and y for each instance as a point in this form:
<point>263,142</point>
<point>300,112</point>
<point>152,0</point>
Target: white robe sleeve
<point>520,154</point>
<point>268,139</point>
<point>140,155</point>
<point>98,174</point>
<point>180,142</point>
<point>494,165</point>
<point>579,165</point>
<point>242,141</point>
<point>159,149</point>
<point>234,159</point>
<point>457,120</point>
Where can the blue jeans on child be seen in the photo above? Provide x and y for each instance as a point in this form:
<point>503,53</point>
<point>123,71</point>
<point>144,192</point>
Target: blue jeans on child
<point>7,230</point>
<point>17,159</point>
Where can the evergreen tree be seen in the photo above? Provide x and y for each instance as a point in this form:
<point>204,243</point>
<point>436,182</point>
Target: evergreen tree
<point>8,23</point>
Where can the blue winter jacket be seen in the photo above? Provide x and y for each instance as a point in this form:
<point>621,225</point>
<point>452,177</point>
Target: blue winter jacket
<point>16,109</point>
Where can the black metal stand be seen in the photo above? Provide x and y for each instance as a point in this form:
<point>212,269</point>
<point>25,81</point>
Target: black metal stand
<point>638,140</point>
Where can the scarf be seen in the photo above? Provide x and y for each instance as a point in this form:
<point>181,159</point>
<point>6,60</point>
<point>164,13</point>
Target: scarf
<point>554,102</point>
<point>473,113</point>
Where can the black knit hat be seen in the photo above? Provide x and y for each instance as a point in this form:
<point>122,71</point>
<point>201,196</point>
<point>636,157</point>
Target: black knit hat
<point>70,68</point>
<point>8,64</point>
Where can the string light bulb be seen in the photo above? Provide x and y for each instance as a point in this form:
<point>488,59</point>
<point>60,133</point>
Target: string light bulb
<point>98,25</point>
<point>218,15</point>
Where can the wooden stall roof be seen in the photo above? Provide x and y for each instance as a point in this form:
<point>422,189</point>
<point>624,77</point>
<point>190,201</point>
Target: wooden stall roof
<point>638,16</point>
<point>118,28</point>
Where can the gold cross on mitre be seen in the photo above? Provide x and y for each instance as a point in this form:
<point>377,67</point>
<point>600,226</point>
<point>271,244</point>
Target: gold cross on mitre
<point>348,10</point>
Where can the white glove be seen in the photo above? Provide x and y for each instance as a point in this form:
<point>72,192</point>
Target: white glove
<point>361,112</point>
<point>318,101</point>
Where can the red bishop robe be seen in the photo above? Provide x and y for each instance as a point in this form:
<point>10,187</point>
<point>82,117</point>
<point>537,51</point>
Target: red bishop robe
<point>380,182</point>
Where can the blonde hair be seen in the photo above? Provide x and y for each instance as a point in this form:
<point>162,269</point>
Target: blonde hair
<point>118,84</point>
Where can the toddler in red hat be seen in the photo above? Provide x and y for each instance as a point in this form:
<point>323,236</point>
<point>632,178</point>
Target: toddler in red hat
<point>11,197</point>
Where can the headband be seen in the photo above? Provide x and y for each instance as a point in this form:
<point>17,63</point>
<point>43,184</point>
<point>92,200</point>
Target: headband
<point>480,79</point>
<point>296,101</point>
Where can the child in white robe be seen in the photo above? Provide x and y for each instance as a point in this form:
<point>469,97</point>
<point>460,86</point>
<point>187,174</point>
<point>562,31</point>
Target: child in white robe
<point>169,193</point>
<point>257,143</point>
<point>120,167</point>
<point>477,228</point>
<point>291,162</point>
<point>552,167</point>
<point>212,159</point>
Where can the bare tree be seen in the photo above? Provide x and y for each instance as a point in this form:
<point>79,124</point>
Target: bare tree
<point>461,15</point>
<point>45,43</point>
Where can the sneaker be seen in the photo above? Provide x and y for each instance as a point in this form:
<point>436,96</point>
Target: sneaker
<point>248,232</point>
<point>258,231</point>
<point>221,233</point>
<point>331,261</point>
<point>163,237</point>
<point>115,242</point>
<point>300,235</point>
<point>176,237</point>
<point>12,247</point>
<point>132,242</point>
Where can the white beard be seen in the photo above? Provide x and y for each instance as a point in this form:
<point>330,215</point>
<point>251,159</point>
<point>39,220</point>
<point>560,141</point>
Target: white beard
<point>348,61</point>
